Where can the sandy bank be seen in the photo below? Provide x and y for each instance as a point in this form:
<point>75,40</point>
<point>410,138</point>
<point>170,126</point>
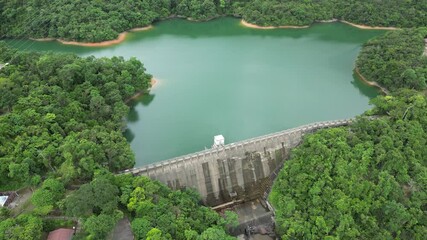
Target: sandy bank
<point>369,27</point>
<point>154,81</point>
<point>43,39</point>
<point>120,39</point>
<point>250,25</point>
<point>328,21</point>
<point>370,83</point>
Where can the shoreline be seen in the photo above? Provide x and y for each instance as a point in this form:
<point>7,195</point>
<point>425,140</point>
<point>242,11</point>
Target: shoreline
<point>153,83</point>
<point>122,36</point>
<point>365,27</point>
<point>360,26</point>
<point>251,25</point>
<point>370,83</point>
<point>119,39</point>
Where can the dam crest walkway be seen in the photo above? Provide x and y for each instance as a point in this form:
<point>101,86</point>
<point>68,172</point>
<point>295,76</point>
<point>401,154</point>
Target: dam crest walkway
<point>241,170</point>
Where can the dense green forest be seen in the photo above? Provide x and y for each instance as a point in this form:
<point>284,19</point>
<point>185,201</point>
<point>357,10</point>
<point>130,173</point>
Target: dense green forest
<point>153,207</point>
<point>104,20</point>
<point>156,212</point>
<point>396,59</point>
<point>61,124</point>
<point>62,118</point>
<point>395,13</point>
<point>64,115</point>
<point>367,181</point>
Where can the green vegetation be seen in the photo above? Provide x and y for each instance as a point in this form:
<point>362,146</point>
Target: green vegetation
<point>367,181</point>
<point>153,207</point>
<point>64,115</point>
<point>156,211</point>
<point>104,20</point>
<point>176,214</point>
<point>394,13</point>
<point>100,20</point>
<point>24,227</point>
<point>46,197</point>
<point>62,121</point>
<point>395,60</point>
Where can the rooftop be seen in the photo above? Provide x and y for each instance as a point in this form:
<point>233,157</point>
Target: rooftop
<point>61,234</point>
<point>6,198</point>
<point>3,200</point>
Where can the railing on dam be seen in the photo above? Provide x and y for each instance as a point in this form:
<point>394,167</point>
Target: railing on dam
<point>237,171</point>
<point>302,129</point>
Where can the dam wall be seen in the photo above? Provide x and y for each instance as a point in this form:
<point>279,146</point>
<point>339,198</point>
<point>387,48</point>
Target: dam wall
<point>238,171</point>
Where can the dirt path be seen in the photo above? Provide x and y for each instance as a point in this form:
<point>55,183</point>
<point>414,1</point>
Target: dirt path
<point>22,202</point>
<point>122,230</point>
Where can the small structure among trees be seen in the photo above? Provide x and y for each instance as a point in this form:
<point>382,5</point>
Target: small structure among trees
<point>61,234</point>
<point>6,198</point>
<point>218,141</point>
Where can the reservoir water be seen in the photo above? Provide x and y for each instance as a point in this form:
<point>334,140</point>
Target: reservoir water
<point>219,77</point>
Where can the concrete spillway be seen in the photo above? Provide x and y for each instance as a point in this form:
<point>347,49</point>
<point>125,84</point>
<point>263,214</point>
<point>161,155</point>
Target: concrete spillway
<point>238,171</point>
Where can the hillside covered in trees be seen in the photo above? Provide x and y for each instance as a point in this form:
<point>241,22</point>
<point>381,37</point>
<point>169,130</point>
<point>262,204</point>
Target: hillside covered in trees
<point>64,115</point>
<point>61,124</point>
<point>62,119</point>
<point>155,211</point>
<point>367,181</point>
<point>394,13</point>
<point>396,60</point>
<point>104,20</point>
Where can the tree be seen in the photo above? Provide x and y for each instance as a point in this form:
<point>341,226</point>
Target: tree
<point>99,226</point>
<point>213,234</point>
<point>46,197</point>
<point>354,182</point>
<point>24,227</point>
<point>140,227</point>
<point>98,196</point>
<point>65,115</point>
<point>395,60</point>
<point>176,214</point>
<point>155,234</point>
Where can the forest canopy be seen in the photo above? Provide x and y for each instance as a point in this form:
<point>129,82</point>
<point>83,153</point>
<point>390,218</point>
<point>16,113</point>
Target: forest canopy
<point>104,20</point>
<point>396,60</point>
<point>62,118</point>
<point>367,181</point>
<point>63,115</point>
<point>61,123</point>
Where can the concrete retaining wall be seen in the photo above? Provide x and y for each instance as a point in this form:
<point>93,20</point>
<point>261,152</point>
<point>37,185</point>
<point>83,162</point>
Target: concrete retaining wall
<point>236,171</point>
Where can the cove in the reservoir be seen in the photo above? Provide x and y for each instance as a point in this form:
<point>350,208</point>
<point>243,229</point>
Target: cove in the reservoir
<point>218,77</point>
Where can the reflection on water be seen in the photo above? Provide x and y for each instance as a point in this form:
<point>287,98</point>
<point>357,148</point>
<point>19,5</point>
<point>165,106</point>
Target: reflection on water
<point>145,100</point>
<point>364,88</point>
<point>129,135</point>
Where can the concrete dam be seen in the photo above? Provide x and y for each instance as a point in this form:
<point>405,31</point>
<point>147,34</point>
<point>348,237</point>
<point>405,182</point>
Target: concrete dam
<point>242,170</point>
